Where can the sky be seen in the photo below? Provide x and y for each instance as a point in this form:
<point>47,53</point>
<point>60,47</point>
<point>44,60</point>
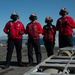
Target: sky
<point>42,8</point>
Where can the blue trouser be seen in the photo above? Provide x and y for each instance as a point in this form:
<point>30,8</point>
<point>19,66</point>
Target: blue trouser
<point>36,45</point>
<point>65,41</point>
<point>10,46</point>
<point>49,47</point>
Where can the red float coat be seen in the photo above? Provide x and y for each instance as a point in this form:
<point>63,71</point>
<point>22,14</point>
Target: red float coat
<point>49,33</point>
<point>64,28</point>
<point>13,29</point>
<point>33,29</point>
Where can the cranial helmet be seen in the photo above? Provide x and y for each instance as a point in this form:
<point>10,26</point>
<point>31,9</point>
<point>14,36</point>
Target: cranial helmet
<point>33,17</point>
<point>48,19</point>
<point>63,11</point>
<point>14,14</point>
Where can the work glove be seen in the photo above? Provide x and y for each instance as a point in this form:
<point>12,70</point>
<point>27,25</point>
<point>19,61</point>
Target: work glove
<point>9,32</point>
<point>20,33</point>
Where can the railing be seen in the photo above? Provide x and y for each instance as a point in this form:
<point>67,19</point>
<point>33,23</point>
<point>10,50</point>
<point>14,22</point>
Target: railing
<point>56,65</point>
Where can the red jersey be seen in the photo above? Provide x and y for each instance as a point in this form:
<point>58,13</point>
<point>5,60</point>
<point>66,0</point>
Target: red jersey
<point>65,25</point>
<point>33,29</point>
<point>49,33</point>
<point>14,28</point>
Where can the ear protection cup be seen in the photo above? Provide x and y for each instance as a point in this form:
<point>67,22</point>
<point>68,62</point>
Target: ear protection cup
<point>51,20</point>
<point>48,18</point>
<point>14,14</point>
<point>11,17</point>
<point>30,18</point>
<point>33,16</point>
<point>66,13</point>
<point>63,10</point>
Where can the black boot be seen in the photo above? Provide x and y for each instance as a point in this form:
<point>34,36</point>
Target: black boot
<point>29,64</point>
<point>5,67</point>
<point>21,65</point>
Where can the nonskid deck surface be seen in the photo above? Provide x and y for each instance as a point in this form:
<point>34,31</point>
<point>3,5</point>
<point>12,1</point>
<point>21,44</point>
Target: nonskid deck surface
<point>14,69</point>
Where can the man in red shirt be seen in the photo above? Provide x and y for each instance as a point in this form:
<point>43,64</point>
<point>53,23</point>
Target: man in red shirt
<point>14,29</point>
<point>49,35</point>
<point>33,29</point>
<point>64,25</point>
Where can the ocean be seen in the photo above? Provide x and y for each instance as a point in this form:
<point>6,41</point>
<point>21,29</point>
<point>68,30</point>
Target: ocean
<point>74,41</point>
<point>41,41</point>
<point>56,41</point>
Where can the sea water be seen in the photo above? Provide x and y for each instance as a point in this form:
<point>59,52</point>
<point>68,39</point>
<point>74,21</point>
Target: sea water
<point>41,41</point>
<point>56,41</point>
